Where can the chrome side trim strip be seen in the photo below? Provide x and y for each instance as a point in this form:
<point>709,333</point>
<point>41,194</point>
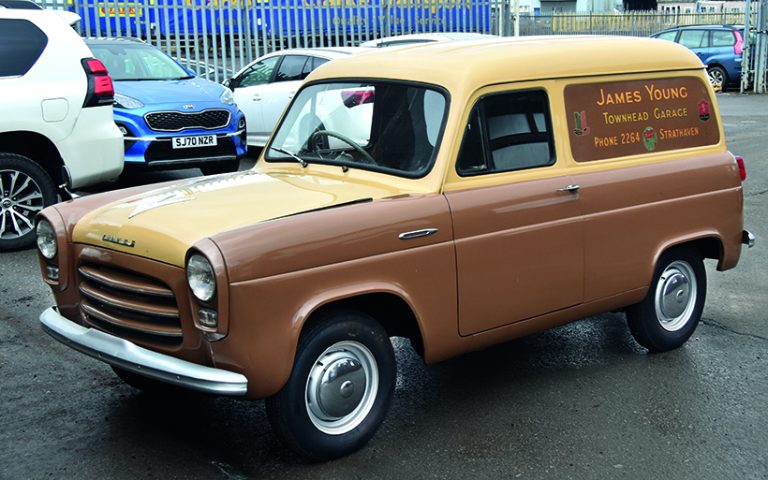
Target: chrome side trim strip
<point>129,356</point>
<point>425,232</point>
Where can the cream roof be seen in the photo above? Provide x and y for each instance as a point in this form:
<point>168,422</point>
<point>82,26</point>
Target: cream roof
<point>471,64</point>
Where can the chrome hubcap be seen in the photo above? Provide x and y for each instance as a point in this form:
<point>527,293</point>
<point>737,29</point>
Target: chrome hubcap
<point>20,199</point>
<point>342,387</point>
<point>676,294</point>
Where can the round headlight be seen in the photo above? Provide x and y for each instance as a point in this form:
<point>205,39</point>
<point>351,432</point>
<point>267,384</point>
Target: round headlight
<point>46,239</point>
<point>201,277</point>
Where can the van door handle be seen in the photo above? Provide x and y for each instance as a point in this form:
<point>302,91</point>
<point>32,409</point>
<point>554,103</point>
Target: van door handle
<point>424,232</point>
<point>570,188</point>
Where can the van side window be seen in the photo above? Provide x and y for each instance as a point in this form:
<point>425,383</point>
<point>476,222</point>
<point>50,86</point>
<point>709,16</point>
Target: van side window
<point>506,132</point>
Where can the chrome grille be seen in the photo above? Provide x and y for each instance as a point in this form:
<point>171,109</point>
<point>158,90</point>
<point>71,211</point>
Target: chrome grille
<point>179,121</point>
<point>129,305</point>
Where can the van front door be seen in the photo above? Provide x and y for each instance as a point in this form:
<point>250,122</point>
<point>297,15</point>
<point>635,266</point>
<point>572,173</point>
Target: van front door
<point>517,223</point>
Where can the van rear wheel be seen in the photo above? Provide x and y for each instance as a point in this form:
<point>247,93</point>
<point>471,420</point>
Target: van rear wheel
<point>339,390</point>
<point>671,310</point>
<point>25,189</point>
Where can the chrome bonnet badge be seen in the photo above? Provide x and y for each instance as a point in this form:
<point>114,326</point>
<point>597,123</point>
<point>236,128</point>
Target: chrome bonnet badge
<point>120,241</point>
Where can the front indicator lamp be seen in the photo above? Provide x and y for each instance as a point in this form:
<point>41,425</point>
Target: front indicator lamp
<point>52,273</point>
<point>208,318</point>
<point>201,277</point>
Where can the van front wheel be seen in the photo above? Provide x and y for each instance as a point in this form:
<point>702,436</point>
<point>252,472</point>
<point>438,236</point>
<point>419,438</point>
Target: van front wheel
<point>669,313</point>
<point>339,390</point>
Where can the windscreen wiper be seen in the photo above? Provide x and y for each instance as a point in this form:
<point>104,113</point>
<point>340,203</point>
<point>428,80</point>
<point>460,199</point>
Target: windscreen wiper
<point>292,155</point>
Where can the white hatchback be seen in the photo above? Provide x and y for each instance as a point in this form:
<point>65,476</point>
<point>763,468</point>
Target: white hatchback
<point>265,86</point>
<point>56,122</point>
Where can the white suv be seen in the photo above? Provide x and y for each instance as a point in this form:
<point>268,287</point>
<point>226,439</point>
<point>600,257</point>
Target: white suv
<point>56,122</point>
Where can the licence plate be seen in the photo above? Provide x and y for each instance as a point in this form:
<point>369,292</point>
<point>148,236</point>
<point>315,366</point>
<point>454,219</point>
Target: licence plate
<point>192,142</point>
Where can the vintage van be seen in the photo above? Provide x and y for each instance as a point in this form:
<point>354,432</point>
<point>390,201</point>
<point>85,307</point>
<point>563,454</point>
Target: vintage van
<point>456,194</point>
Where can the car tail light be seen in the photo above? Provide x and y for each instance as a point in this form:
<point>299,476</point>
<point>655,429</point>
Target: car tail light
<point>738,47</point>
<point>742,168</point>
<point>101,91</point>
<point>353,98</point>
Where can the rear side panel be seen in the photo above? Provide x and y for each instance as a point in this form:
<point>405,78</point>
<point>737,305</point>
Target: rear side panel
<point>649,155</point>
<point>632,214</point>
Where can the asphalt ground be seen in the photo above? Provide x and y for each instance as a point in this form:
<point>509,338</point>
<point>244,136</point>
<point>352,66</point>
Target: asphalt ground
<point>582,401</point>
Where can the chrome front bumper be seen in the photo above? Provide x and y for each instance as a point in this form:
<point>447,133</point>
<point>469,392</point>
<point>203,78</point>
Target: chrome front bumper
<point>129,356</point>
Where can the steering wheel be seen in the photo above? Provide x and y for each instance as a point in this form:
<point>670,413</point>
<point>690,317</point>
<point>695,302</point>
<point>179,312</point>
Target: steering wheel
<point>366,156</point>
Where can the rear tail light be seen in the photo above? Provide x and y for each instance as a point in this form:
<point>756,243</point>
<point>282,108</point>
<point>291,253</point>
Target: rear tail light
<point>100,88</point>
<point>353,98</point>
<point>738,47</point>
<point>742,168</point>
<point>95,67</point>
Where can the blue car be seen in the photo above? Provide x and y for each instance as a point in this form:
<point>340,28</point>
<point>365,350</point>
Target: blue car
<point>169,117</point>
<point>718,46</point>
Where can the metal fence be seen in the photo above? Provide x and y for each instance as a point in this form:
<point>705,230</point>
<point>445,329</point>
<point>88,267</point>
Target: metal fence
<point>637,24</point>
<point>218,37</point>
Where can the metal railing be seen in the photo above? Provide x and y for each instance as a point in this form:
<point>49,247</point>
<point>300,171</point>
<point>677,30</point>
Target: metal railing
<point>636,24</point>
<point>218,37</point>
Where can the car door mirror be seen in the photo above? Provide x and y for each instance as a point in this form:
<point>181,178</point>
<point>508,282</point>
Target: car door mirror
<point>230,83</point>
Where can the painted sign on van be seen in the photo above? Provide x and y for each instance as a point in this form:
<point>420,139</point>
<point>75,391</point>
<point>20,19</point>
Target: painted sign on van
<point>615,119</point>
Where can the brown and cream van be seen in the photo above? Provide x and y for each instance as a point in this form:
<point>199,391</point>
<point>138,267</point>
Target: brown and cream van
<point>456,194</point>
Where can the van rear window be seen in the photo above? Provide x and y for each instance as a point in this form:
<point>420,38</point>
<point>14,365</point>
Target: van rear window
<point>615,119</point>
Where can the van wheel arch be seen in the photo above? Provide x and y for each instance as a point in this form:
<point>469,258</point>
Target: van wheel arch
<point>707,247</point>
<point>393,313</point>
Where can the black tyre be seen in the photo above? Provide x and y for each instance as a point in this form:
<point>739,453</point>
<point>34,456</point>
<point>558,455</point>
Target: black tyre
<point>339,390</point>
<point>25,189</point>
<point>669,313</point>
<point>718,75</point>
<point>220,167</point>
